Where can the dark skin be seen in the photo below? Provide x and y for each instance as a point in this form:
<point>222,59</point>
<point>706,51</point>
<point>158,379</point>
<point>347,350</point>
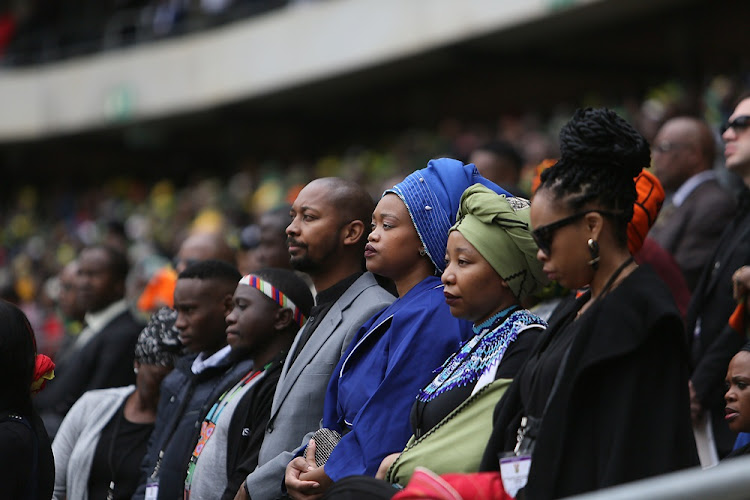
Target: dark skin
<point>140,407</point>
<point>258,325</point>
<point>392,251</point>
<point>317,233</point>
<point>98,287</point>
<point>319,236</point>
<point>202,306</point>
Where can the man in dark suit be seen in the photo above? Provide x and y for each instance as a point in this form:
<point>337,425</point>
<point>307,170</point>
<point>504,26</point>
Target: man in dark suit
<point>103,353</point>
<point>691,221</point>
<point>713,343</point>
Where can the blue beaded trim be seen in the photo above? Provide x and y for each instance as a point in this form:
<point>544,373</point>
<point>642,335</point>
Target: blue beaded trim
<point>478,354</point>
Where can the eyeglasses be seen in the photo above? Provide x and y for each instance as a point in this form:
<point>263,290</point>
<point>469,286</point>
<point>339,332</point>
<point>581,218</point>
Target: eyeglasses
<point>666,147</point>
<point>738,124</point>
<point>543,235</point>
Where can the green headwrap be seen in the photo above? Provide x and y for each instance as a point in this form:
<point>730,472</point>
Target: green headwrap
<point>499,228</point>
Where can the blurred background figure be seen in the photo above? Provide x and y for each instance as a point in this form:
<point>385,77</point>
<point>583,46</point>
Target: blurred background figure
<point>71,309</point>
<point>102,354</point>
<point>272,248</point>
<point>247,253</point>
<point>201,246</point>
<point>711,340</point>
<point>697,207</point>
<point>151,285</point>
<point>102,440</point>
<point>500,162</point>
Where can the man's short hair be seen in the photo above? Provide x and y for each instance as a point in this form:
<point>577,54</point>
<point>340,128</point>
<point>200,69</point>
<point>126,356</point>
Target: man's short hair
<point>211,270</point>
<point>118,263</point>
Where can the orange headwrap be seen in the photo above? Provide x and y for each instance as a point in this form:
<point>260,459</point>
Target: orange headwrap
<point>159,291</point>
<point>650,196</point>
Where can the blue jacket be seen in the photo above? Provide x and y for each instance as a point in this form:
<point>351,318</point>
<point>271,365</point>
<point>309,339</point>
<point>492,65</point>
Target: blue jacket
<point>183,403</point>
<point>374,385</point>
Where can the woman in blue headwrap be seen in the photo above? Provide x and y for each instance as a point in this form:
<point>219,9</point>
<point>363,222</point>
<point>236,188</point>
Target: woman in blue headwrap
<point>370,395</point>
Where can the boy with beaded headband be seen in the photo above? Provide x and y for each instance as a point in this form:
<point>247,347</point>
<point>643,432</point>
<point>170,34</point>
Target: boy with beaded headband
<point>270,306</point>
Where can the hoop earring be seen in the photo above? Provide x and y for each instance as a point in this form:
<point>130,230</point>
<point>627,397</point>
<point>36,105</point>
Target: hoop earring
<point>594,250</point>
<point>422,252</point>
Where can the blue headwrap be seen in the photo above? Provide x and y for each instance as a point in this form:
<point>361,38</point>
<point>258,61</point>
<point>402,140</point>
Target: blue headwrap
<point>432,195</point>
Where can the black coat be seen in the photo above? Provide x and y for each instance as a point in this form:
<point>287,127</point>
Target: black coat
<point>248,427</point>
<point>712,304</point>
<point>19,478</point>
<point>184,401</point>
<point>621,412</point>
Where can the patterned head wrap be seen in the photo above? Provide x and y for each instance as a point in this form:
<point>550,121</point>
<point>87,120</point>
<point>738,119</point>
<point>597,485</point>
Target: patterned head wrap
<point>274,294</point>
<point>649,198</point>
<point>432,195</point>
<point>159,343</point>
<point>499,228</point>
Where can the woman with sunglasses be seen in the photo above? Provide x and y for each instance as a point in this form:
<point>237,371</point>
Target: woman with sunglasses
<point>603,399</point>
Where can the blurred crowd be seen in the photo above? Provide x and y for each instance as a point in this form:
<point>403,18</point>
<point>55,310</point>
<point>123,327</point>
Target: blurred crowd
<point>33,32</point>
<point>627,271</point>
<point>43,231</point>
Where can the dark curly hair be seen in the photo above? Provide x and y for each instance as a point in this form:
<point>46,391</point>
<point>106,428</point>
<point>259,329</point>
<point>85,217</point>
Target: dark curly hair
<point>600,155</point>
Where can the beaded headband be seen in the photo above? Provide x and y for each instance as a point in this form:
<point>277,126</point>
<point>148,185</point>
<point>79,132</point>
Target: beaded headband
<point>274,294</point>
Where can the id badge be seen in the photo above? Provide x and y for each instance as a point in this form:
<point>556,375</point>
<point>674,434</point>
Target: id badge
<point>152,490</point>
<point>514,471</point>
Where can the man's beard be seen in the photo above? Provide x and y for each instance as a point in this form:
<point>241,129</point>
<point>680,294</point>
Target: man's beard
<point>304,264</point>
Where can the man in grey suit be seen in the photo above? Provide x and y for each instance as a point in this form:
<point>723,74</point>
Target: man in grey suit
<point>326,238</point>
<point>695,215</point>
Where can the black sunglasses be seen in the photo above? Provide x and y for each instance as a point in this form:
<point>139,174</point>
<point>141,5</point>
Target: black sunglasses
<point>543,235</point>
<point>739,123</point>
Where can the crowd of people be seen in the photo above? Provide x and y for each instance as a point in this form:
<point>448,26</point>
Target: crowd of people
<point>41,230</point>
<point>453,340</point>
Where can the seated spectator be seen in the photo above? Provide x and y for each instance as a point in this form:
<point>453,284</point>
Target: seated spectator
<point>712,341</point>
<point>623,336</point>
<point>738,396</point>
<point>26,463</point>
<point>373,387</point>
<point>202,299</point>
<point>327,235</point>
<point>691,222</point>
<point>452,416</point>
<point>105,347</point>
<point>272,249</point>
<point>501,163</point>
<point>490,268</point>
<point>270,306</point>
<point>102,440</point>
<point>70,309</point>
<point>247,253</point>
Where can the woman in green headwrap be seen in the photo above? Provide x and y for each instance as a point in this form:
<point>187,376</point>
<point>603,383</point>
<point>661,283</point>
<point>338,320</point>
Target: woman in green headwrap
<point>490,267</point>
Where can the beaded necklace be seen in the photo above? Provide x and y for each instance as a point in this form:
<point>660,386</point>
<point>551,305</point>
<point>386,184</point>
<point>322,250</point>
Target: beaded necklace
<point>490,341</point>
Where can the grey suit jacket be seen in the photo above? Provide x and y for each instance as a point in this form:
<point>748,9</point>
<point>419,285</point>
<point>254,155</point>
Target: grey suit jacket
<point>691,231</point>
<point>298,401</point>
